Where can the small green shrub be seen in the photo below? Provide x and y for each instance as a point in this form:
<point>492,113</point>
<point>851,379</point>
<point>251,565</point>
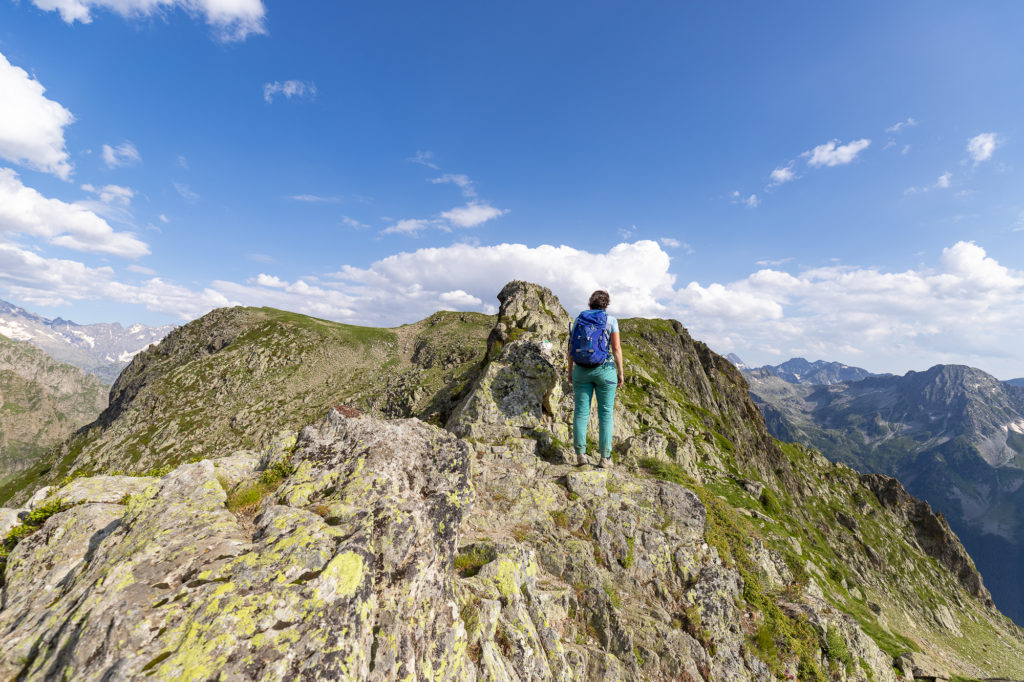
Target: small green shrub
<point>469,562</point>
<point>560,518</point>
<point>33,522</point>
<point>613,595</point>
<point>770,503</point>
<point>630,557</point>
<point>836,650</point>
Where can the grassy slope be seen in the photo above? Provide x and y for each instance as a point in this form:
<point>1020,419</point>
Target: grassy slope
<point>877,562</point>
<point>237,377</point>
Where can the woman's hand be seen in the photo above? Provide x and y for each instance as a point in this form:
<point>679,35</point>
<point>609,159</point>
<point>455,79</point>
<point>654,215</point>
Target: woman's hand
<point>622,381</point>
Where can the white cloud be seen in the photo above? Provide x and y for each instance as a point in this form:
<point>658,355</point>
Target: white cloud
<point>408,226</point>
<point>1019,225</point>
<point>472,214</point>
<point>185,191</point>
<point>164,219</point>
<point>125,154</point>
<point>353,223</point>
<point>315,199</point>
<point>897,127</point>
<point>945,181</point>
<point>183,162</point>
<point>670,242</point>
<point>113,194</point>
<point>410,285</point>
<point>425,158</point>
<point>142,270</point>
<point>460,299</point>
<point>289,89</point>
<point>232,19</point>
<point>783,174</point>
<point>49,281</point>
<point>905,150</point>
<point>773,261</point>
<point>751,201</point>
<point>833,154</point>
<point>967,308</point>
<point>25,211</point>
<point>31,126</point>
<point>981,147</point>
<point>260,258</point>
<point>461,181</point>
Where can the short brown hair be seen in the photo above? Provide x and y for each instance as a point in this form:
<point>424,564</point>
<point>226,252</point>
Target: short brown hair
<point>599,300</point>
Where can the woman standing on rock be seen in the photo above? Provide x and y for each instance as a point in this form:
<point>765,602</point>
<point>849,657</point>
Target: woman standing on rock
<point>595,366</point>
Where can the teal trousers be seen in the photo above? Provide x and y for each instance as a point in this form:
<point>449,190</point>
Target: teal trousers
<point>586,381</point>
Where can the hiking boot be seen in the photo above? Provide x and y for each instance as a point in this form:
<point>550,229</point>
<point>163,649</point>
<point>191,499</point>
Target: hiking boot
<point>606,463</point>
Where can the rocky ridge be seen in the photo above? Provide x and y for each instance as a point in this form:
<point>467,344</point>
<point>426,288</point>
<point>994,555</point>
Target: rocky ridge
<point>41,403</point>
<point>478,546</point>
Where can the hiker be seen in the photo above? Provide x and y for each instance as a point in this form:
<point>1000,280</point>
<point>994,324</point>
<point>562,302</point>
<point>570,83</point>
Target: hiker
<point>595,366</point>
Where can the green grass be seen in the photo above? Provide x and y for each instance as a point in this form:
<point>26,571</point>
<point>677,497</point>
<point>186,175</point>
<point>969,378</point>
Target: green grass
<point>470,560</point>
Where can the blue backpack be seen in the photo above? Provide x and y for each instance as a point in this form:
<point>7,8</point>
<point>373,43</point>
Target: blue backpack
<point>588,342</point>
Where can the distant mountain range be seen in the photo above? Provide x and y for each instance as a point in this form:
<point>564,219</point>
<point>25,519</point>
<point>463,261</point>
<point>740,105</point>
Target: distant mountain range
<point>953,434</point>
<point>102,349</point>
<point>801,371</point>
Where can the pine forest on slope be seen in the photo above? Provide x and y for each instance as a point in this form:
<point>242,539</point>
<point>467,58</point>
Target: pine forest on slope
<point>467,542</point>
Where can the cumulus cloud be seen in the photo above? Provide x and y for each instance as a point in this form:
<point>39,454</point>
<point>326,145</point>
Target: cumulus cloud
<point>288,89</point>
<point>472,214</point>
<point>981,147</point>
<point>31,126</point>
<point>944,180</point>
<point>29,277</point>
<point>124,154</point>
<point>232,19</point>
<point>24,211</point>
<point>782,175</point>
<point>834,154</point>
<point>965,308</point>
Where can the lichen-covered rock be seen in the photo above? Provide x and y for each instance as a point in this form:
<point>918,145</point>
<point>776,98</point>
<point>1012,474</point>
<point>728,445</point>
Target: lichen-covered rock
<point>8,520</point>
<point>347,574</point>
<point>110,489</point>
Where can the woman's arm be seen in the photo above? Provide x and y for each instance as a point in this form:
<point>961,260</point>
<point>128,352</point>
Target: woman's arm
<point>617,351</point>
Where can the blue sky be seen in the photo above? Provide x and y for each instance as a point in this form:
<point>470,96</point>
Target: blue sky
<point>832,181</point>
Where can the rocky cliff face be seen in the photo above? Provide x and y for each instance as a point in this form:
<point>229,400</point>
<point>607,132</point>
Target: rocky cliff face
<point>41,402</point>
<point>370,548</point>
<point>953,434</point>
